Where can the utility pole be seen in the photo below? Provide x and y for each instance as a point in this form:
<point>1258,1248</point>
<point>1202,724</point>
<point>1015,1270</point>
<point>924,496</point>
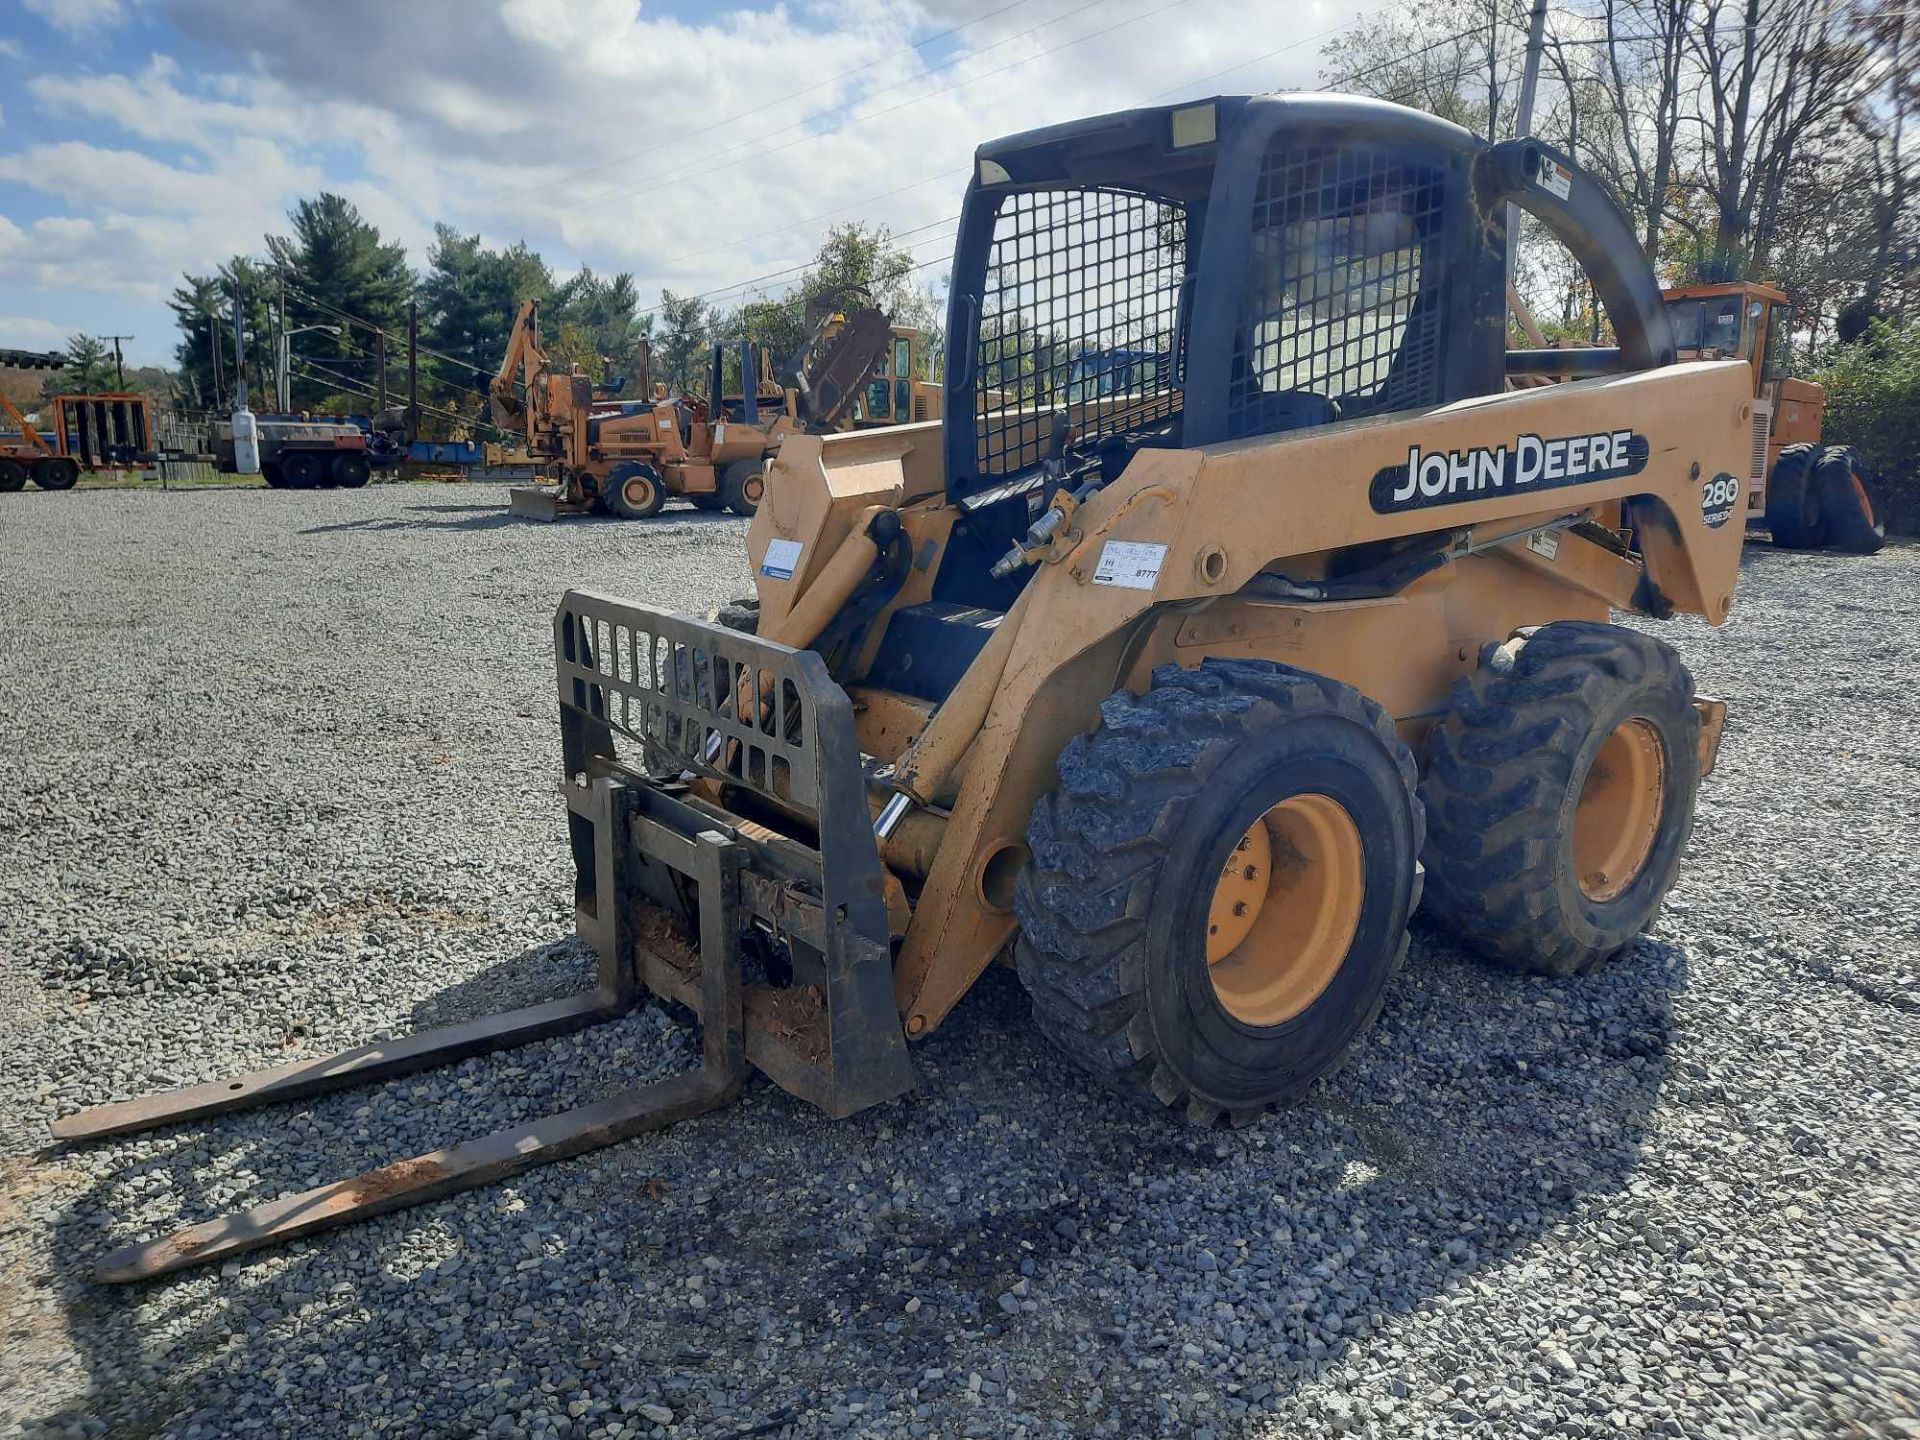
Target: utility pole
<point>119,366</point>
<point>380,365</point>
<point>413,370</point>
<point>282,386</point>
<point>239,351</point>
<point>213,348</point>
<point>1523,115</point>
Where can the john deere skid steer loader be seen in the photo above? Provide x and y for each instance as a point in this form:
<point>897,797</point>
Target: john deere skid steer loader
<point>1235,596</point>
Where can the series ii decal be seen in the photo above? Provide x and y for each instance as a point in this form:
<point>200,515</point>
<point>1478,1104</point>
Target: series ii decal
<point>1453,477</point>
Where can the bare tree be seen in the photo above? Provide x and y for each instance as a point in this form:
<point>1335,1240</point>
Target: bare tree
<point>1774,76</point>
<point>1882,120</point>
<point>1644,49</point>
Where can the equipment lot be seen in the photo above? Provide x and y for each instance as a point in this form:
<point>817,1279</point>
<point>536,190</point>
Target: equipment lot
<point>282,776</point>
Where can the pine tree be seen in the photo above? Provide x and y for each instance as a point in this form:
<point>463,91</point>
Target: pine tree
<point>338,258</point>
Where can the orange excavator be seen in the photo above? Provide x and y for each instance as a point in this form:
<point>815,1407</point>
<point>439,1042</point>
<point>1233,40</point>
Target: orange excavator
<point>627,457</point>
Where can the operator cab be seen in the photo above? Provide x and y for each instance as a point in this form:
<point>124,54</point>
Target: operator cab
<point>1200,274</point>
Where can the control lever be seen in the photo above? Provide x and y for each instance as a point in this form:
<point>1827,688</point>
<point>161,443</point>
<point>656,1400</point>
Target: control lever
<point>1060,506</point>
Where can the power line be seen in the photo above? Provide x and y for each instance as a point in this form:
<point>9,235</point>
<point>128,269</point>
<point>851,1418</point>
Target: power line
<point>947,174</point>
<point>1242,65</point>
<point>707,166</point>
<point>356,387</point>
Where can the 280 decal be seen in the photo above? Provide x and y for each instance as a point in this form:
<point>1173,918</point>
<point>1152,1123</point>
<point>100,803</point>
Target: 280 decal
<point>1481,472</point>
<point>1718,497</point>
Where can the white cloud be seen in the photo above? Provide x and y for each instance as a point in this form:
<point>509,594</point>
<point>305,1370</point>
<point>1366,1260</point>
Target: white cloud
<point>693,153</point>
<point>77,16</point>
<point>25,332</point>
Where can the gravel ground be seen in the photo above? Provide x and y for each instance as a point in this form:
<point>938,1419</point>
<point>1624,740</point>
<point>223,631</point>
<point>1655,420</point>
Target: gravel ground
<point>282,778</point>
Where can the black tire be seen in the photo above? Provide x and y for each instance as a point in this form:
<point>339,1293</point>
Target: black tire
<point>271,473</point>
<point>1113,904</point>
<point>1793,500</point>
<point>1844,505</point>
<point>1508,768</point>
<point>633,491</point>
<point>300,470</point>
<point>13,476</point>
<point>742,484</point>
<point>709,503</point>
<point>742,615</point>
<point>350,471</point>
<point>56,472</point>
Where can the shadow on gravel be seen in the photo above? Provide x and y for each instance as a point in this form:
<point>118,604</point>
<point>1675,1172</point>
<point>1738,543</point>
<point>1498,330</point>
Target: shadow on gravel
<point>495,516</point>
<point>1116,1271</point>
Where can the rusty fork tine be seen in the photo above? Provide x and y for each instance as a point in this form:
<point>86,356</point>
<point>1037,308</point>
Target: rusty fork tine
<point>362,1065</point>
<point>431,1176</point>
<point>715,1082</point>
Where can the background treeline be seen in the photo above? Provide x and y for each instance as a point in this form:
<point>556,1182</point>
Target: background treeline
<point>335,264</point>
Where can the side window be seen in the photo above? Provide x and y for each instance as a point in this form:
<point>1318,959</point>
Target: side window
<point>1074,279</point>
<point>1340,302</point>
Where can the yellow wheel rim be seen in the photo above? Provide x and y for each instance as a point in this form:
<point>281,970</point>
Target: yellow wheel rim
<point>753,487</point>
<point>1618,817</point>
<point>638,491</point>
<point>1284,909</point>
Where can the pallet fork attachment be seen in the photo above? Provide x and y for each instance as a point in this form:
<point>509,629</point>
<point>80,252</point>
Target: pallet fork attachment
<point>643,850</point>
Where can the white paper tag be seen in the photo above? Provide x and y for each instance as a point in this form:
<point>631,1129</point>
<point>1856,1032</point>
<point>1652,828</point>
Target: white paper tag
<point>1130,564</point>
<point>782,559</point>
<point>1547,545</point>
<point>1554,177</point>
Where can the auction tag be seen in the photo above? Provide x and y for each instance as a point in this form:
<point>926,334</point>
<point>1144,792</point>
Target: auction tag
<point>1543,544</point>
<point>782,559</point>
<point>1130,564</point>
<point>1554,178</point>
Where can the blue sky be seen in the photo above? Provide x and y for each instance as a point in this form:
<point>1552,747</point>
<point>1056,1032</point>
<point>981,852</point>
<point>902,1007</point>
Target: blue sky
<point>694,145</point>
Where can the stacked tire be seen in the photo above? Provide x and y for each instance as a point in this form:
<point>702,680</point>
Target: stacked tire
<point>1817,498</point>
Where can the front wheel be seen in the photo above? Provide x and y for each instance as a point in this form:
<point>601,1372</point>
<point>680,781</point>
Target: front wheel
<point>1219,890</point>
<point>742,484</point>
<point>634,492</point>
<point>13,476</point>
<point>1560,793</point>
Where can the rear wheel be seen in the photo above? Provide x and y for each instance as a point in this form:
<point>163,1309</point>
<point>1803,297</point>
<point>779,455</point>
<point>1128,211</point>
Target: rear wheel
<point>1560,797</point>
<point>634,492</point>
<point>56,472</point>
<point>13,476</point>
<point>1793,500</point>
<point>351,471</point>
<point>742,484</point>
<point>300,470</point>
<point>1848,513</point>
<point>1219,890</point>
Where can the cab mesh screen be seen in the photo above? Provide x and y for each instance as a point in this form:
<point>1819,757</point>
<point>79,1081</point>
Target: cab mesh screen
<point>1339,299</point>
<point>1079,283</point>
